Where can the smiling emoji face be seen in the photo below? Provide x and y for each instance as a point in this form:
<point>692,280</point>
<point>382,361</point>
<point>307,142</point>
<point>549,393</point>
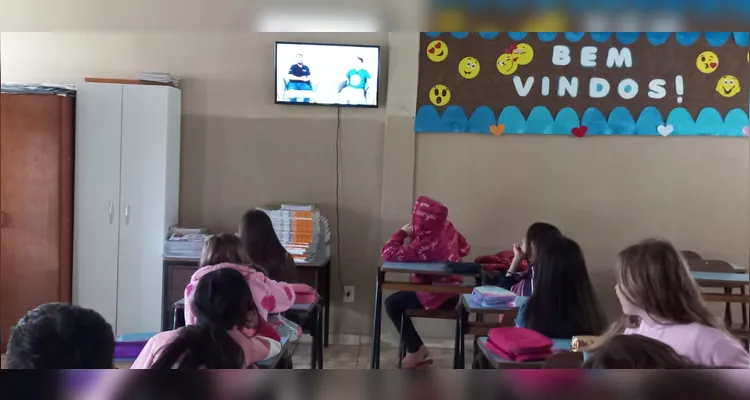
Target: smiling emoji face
<point>437,51</point>
<point>440,95</point>
<point>728,86</point>
<point>506,65</point>
<point>522,54</point>
<point>468,68</point>
<point>707,62</point>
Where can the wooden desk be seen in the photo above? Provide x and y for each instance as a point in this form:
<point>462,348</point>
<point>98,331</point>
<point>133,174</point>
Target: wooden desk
<point>467,306</point>
<point>498,362</point>
<point>178,271</point>
<point>434,269</point>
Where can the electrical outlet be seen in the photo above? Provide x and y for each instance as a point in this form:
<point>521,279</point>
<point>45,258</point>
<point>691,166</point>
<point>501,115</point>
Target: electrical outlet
<point>348,294</point>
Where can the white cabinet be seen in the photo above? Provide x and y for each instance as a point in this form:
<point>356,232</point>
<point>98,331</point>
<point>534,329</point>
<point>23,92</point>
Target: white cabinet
<point>126,198</point>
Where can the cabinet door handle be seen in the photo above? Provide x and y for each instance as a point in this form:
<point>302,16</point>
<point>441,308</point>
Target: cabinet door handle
<point>111,212</point>
<point>127,213</point>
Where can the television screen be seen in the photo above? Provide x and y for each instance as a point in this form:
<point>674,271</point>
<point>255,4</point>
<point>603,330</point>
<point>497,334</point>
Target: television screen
<point>327,74</point>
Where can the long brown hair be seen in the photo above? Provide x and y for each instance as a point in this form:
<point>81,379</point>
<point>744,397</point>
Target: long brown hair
<point>654,277</point>
<point>563,303</point>
<point>224,248</point>
<point>262,245</point>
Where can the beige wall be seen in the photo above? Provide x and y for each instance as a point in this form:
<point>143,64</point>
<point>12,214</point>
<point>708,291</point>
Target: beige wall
<point>240,150</point>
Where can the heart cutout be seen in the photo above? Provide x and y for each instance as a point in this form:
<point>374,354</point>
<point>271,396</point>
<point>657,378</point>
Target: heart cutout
<point>431,50</point>
<point>746,131</point>
<point>665,130</point>
<point>438,45</point>
<point>580,131</point>
<point>497,130</point>
<point>713,65</point>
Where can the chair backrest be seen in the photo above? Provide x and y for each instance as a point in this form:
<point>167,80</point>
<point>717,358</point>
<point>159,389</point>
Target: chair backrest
<point>691,255</point>
<point>710,266</point>
<point>564,360</point>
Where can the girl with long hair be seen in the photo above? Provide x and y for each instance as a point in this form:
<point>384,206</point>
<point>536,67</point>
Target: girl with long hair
<point>538,235</point>
<point>563,303</point>
<point>661,300</point>
<point>223,336</point>
<point>264,248</point>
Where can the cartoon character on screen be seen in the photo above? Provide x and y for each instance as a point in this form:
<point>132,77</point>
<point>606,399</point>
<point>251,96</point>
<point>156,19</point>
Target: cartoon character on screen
<point>299,81</point>
<point>354,89</point>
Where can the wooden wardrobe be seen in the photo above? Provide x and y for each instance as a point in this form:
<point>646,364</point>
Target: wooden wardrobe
<point>36,203</point>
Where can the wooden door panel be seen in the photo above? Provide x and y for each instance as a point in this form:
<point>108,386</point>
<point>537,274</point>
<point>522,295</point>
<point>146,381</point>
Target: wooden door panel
<point>30,198</point>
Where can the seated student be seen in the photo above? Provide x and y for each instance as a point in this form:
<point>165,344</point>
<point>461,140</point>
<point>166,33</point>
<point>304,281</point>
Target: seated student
<point>224,335</point>
<point>264,248</point>
<point>563,303</point>
<point>661,300</point>
<point>433,239</point>
<point>537,236</point>
<point>61,336</point>
<point>635,352</point>
<point>227,251</point>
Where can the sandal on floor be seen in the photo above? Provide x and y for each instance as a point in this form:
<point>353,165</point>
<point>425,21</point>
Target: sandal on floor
<point>420,365</point>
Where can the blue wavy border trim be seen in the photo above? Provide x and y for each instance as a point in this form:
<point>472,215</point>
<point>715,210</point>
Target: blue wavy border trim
<point>715,39</point>
<point>709,121</point>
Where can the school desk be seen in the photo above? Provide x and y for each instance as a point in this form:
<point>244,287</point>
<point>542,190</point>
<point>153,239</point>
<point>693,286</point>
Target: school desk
<point>302,311</point>
<point>305,312</point>
<point>433,269</point>
<point>466,307</point>
<point>497,362</point>
<point>177,273</point>
<point>726,280</point>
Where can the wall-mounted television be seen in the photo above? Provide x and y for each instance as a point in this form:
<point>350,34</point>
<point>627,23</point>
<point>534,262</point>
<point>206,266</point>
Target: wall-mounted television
<point>327,74</point>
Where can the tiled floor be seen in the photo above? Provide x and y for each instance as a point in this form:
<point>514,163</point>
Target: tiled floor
<point>354,357</point>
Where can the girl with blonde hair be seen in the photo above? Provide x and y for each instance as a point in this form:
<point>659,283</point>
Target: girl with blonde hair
<point>661,300</point>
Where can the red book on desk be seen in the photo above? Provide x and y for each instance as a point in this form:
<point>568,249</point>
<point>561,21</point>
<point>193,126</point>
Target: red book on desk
<point>304,294</point>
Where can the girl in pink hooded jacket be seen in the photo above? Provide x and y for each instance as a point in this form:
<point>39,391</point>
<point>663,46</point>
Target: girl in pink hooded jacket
<point>227,251</point>
<point>225,334</point>
<point>433,239</point>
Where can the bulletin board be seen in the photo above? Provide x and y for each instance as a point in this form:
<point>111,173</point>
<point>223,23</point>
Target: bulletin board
<point>584,83</point>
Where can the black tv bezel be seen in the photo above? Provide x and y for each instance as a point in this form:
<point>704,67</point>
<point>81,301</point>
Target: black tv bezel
<point>276,77</point>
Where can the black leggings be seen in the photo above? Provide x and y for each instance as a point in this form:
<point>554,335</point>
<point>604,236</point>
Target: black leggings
<point>396,306</point>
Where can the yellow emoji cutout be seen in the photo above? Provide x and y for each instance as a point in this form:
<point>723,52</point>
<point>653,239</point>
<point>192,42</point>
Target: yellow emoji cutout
<point>506,65</point>
<point>707,62</point>
<point>440,95</point>
<point>728,86</point>
<point>468,68</point>
<point>437,51</point>
<point>522,53</point>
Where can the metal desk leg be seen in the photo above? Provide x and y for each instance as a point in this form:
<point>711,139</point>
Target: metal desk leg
<point>315,337</point>
<point>461,324</point>
<point>375,355</point>
<point>319,341</point>
<point>327,305</point>
<point>174,318</point>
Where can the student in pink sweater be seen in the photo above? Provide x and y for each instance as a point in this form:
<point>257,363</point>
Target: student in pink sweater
<point>224,334</point>
<point>432,238</point>
<point>227,251</point>
<point>660,300</point>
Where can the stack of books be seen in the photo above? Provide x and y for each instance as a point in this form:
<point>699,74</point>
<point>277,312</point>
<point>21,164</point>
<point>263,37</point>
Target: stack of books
<point>303,231</point>
<point>161,77</point>
<point>185,243</point>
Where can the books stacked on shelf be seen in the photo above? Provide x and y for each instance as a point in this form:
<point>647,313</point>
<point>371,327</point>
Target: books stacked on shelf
<point>303,231</point>
<point>160,77</point>
<point>185,243</point>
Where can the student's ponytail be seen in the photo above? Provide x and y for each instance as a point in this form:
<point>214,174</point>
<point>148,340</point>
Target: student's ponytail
<point>223,302</point>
